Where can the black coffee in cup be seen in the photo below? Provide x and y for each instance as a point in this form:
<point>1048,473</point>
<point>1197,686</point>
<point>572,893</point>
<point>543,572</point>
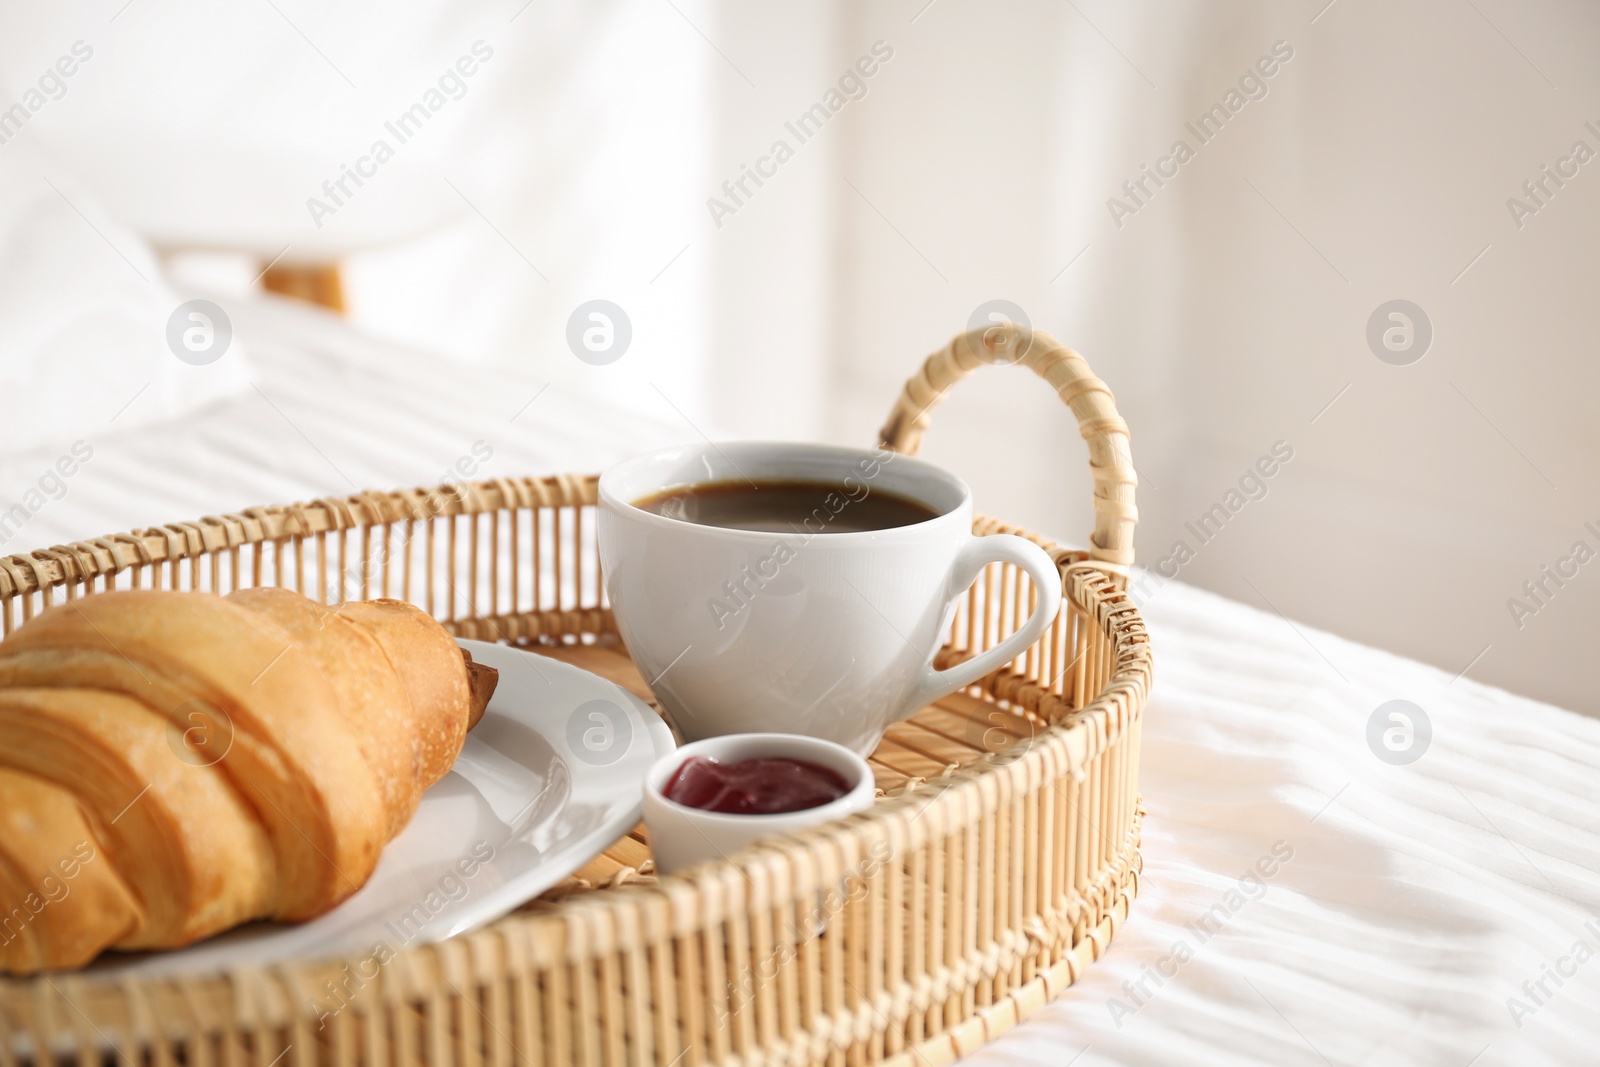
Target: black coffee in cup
<point>786,506</point>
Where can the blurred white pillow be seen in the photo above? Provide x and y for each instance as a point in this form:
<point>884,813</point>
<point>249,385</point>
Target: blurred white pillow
<point>84,318</point>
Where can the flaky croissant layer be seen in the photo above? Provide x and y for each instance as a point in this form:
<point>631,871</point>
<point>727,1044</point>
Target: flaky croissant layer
<point>174,764</point>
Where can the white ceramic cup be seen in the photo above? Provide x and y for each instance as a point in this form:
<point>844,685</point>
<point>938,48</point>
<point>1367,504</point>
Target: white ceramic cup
<point>682,836</point>
<point>826,634</point>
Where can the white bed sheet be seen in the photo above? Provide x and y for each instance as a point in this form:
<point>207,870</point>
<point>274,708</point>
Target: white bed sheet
<point>326,412</point>
<point>1417,901</point>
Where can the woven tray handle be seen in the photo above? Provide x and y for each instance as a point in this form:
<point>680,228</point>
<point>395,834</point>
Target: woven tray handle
<point>1110,458</point>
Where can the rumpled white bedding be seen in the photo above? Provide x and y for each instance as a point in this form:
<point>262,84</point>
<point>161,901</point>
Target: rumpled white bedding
<point>320,411</point>
<point>84,314</point>
<point>1303,902</point>
<point>1418,899</point>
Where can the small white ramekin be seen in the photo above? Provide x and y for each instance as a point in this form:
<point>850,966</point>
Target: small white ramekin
<point>681,836</point>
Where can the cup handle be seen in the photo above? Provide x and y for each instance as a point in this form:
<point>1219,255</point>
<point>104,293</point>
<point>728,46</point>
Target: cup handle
<point>977,554</point>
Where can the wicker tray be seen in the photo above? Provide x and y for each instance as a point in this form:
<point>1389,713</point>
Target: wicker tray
<point>998,863</point>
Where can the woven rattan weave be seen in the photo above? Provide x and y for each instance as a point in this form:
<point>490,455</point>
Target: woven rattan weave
<point>997,865</point>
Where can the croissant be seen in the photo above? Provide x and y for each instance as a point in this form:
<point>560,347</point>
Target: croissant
<point>173,764</point>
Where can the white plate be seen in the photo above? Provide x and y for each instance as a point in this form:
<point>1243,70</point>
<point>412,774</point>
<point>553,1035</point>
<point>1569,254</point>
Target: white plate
<point>550,777</point>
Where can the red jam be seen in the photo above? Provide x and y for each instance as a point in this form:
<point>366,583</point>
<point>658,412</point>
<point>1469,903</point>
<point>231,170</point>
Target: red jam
<point>765,786</point>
